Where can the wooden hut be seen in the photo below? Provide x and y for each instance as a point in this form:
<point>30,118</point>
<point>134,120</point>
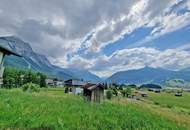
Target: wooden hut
<point>93,92</point>
<point>4,51</point>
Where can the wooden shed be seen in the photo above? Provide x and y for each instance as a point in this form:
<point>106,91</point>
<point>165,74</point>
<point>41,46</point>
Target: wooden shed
<point>93,92</point>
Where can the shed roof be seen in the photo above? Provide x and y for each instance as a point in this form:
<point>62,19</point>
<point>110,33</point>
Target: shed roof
<point>8,51</point>
<point>91,86</point>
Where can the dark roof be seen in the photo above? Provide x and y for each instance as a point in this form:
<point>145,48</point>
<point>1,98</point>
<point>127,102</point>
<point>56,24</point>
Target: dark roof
<point>74,82</point>
<point>91,86</point>
<point>8,52</point>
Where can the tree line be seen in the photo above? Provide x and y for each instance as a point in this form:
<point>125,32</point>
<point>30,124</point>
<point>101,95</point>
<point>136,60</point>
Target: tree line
<point>14,78</point>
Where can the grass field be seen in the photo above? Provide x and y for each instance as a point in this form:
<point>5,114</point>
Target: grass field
<point>169,100</point>
<point>52,109</point>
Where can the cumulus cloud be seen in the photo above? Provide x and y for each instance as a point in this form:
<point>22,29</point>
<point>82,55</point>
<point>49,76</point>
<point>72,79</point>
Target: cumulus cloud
<point>60,29</point>
<point>136,58</point>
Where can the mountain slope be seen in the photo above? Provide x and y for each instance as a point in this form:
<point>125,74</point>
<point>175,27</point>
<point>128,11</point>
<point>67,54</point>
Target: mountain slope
<point>37,61</point>
<point>86,75</point>
<point>147,75</point>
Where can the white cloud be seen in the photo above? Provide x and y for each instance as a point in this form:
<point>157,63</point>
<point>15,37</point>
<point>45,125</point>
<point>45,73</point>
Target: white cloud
<point>170,23</point>
<point>135,58</point>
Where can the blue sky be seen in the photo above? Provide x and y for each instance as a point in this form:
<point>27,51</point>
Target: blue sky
<point>168,41</point>
<point>103,36</point>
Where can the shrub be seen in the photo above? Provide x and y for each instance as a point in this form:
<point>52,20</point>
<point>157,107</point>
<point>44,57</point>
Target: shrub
<point>169,106</point>
<point>126,92</point>
<point>114,91</point>
<point>66,89</point>
<point>189,112</point>
<point>30,87</point>
<point>109,94</point>
<point>156,103</point>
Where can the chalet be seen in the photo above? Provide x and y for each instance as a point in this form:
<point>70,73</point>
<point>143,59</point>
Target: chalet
<point>74,85</point>
<point>54,82</point>
<point>4,51</point>
<point>74,82</point>
<point>93,92</point>
<point>49,82</point>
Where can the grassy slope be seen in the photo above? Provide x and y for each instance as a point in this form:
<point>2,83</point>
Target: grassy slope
<point>56,110</point>
<point>169,106</point>
<point>169,100</point>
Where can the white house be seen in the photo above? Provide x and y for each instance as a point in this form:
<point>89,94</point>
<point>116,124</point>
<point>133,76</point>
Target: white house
<point>75,85</point>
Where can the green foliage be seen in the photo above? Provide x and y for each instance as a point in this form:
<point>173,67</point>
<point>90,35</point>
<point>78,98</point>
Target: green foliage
<point>66,89</point>
<point>115,85</point>
<point>14,78</point>
<point>30,87</point>
<point>42,80</point>
<point>58,111</point>
<point>126,92</point>
<point>109,94</point>
<point>132,86</point>
<point>115,91</point>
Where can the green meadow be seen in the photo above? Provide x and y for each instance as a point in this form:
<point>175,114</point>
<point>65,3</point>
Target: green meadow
<point>53,109</point>
<point>169,100</point>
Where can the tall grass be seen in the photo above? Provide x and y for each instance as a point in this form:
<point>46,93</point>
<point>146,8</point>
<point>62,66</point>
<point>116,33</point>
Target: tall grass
<point>46,110</point>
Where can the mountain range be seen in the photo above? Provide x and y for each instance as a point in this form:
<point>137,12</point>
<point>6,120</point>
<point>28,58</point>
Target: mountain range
<point>148,75</point>
<point>38,62</point>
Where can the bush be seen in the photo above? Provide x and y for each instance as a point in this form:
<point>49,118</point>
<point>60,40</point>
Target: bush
<point>114,91</point>
<point>126,92</point>
<point>66,89</point>
<point>169,106</point>
<point>156,103</point>
<point>109,94</point>
<point>14,78</point>
<point>30,87</point>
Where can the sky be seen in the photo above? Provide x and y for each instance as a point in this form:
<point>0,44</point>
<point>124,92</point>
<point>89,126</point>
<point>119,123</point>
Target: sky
<point>103,36</point>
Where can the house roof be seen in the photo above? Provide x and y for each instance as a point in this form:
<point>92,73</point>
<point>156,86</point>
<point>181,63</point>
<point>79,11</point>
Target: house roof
<point>91,86</point>
<point>8,51</point>
<point>75,82</point>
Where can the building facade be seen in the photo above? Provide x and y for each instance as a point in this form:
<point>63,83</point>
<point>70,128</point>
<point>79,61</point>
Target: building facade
<point>94,92</point>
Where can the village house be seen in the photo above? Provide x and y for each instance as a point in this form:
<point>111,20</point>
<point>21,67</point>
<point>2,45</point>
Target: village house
<point>49,82</point>
<point>74,85</point>
<point>143,94</point>
<point>54,82</point>
<point>4,51</point>
<point>93,92</point>
<point>74,82</point>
